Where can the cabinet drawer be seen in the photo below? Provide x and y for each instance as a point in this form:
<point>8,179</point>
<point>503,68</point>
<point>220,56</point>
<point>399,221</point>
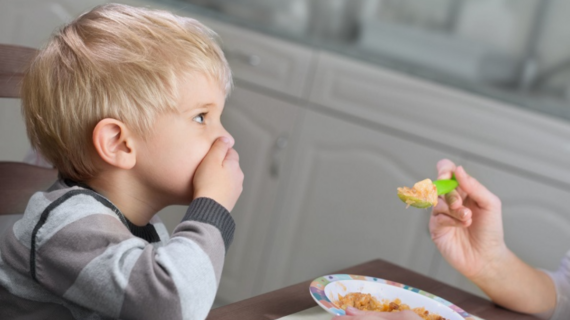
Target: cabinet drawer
<point>518,140</point>
<point>265,61</point>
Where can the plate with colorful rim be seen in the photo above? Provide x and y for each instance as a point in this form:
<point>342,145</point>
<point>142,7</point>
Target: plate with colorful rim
<point>325,291</point>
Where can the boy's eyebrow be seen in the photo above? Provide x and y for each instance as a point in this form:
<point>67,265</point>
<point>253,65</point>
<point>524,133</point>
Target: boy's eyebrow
<point>198,106</point>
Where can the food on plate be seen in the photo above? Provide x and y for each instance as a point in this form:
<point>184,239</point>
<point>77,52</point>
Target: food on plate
<point>422,195</point>
<point>366,302</point>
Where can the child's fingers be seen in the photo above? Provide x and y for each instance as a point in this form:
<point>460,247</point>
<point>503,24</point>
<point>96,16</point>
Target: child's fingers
<point>219,150</point>
<point>475,190</point>
<point>445,169</point>
<point>232,156</point>
<point>232,162</point>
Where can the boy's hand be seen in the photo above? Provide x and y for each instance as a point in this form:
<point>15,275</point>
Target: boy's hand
<point>219,175</point>
<point>467,227</point>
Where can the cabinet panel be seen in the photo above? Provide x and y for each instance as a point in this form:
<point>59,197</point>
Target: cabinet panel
<point>31,22</point>
<point>536,218</point>
<point>340,206</point>
<point>531,142</point>
<point>261,127</point>
<point>265,61</point>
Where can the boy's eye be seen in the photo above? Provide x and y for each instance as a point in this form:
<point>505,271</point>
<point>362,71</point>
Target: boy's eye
<point>200,118</point>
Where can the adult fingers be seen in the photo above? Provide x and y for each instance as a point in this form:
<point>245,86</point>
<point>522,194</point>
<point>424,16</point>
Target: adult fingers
<point>476,191</point>
<point>445,169</point>
<point>441,221</point>
<point>459,216</point>
<point>456,206</point>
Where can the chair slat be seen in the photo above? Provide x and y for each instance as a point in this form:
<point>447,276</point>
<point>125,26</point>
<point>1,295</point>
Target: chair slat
<point>13,63</point>
<point>19,181</point>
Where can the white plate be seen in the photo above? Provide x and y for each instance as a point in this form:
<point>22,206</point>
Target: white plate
<point>325,291</point>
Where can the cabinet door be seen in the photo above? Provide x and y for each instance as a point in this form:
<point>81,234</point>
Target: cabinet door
<point>470,123</point>
<point>261,127</point>
<point>265,61</point>
<point>340,206</point>
<point>536,218</point>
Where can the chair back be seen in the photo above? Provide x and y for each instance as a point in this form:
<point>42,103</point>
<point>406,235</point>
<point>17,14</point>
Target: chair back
<point>13,63</point>
<point>18,180</point>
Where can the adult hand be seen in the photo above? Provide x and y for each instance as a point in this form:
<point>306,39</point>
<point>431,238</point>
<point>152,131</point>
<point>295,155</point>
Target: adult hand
<point>219,175</point>
<point>466,224</point>
<point>355,314</point>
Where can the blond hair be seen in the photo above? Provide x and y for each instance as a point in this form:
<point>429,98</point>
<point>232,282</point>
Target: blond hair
<point>114,61</point>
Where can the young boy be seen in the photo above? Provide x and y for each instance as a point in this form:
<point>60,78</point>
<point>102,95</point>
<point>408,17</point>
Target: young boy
<point>126,104</point>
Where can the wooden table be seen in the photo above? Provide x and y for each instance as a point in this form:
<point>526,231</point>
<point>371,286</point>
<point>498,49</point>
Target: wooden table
<point>296,298</point>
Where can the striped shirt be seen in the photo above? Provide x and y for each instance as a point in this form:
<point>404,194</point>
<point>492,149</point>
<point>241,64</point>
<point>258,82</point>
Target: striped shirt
<point>73,255</point>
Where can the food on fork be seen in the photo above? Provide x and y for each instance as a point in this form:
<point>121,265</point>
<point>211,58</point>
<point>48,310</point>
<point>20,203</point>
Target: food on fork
<point>422,195</point>
<point>366,302</point>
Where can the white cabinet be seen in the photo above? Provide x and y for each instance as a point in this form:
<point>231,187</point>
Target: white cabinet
<point>519,155</point>
<point>446,117</point>
<point>31,22</point>
<point>265,61</point>
<point>262,127</point>
<point>340,207</point>
<point>535,214</point>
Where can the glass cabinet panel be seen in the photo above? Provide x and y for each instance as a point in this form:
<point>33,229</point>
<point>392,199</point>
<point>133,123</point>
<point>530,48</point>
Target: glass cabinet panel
<point>515,51</point>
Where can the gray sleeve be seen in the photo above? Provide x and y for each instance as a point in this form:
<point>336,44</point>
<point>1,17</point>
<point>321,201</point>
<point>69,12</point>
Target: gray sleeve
<point>561,279</point>
<point>209,211</point>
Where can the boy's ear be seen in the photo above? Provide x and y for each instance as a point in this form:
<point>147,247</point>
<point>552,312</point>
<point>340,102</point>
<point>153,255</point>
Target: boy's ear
<point>114,143</point>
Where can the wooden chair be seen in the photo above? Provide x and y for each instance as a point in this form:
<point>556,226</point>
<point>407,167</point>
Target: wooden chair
<point>18,180</point>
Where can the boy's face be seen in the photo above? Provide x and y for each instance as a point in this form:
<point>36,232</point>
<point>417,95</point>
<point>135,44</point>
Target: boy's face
<point>172,152</point>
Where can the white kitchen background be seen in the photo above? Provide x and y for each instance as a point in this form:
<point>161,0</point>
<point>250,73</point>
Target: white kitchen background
<point>339,102</point>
